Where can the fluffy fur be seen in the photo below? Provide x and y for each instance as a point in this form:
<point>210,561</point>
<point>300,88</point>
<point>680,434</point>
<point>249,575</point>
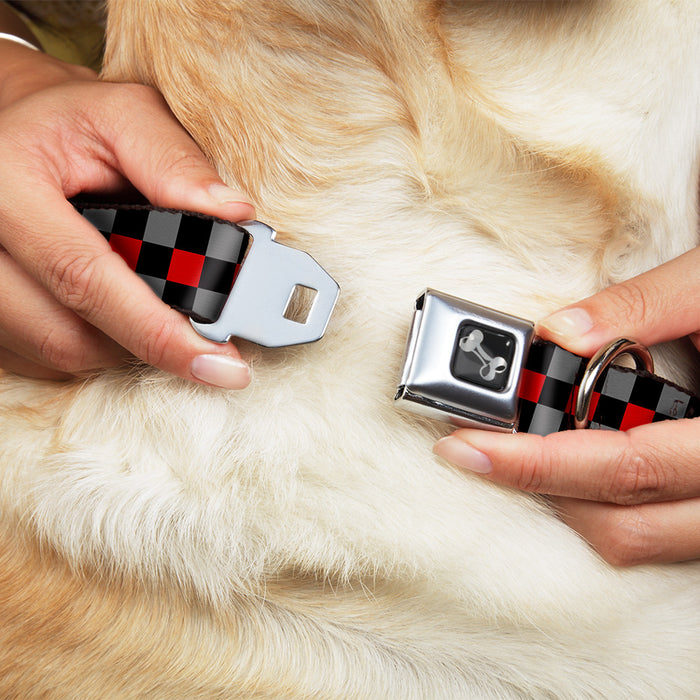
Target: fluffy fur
<point>298,539</point>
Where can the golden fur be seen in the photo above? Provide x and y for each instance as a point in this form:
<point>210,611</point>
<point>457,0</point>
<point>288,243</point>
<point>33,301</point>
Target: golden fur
<point>298,539</point>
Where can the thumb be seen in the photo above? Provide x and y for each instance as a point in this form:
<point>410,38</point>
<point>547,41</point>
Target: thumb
<point>659,305</point>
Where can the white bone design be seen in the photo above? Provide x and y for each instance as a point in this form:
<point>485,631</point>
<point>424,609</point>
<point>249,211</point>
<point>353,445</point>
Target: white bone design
<point>490,366</point>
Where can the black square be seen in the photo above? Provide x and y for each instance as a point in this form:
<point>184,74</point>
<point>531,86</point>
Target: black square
<point>245,242</point>
<point>693,408</point>
<point>154,260</point>
<point>609,411</point>
<point>483,356</point>
<point>217,275</point>
<point>130,222</point>
<point>181,296</point>
<point>539,356</point>
<point>527,410</point>
<point>193,234</point>
<point>555,393</point>
<point>646,392</point>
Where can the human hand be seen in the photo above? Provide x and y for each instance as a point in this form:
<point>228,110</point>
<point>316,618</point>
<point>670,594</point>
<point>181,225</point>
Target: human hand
<point>635,495</point>
<point>68,304</point>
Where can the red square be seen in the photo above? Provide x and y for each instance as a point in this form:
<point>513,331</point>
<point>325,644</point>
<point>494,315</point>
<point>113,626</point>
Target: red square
<point>636,415</point>
<point>128,248</point>
<point>185,268</point>
<point>531,385</point>
<point>594,404</point>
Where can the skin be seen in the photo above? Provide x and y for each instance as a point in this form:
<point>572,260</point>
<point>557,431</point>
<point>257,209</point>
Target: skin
<point>635,495</point>
<point>68,304</point>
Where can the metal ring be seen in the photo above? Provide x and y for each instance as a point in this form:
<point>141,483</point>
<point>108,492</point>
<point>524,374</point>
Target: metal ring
<point>597,365</point>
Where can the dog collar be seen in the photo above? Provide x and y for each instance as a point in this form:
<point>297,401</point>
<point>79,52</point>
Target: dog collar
<point>231,279</point>
<point>476,367</point>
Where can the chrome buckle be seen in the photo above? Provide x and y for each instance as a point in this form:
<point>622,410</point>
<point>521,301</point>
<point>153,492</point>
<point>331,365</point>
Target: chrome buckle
<point>257,305</point>
<point>463,363</point>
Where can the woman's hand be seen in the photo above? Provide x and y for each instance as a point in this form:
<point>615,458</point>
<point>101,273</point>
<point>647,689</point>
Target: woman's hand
<point>635,495</point>
<point>68,304</point>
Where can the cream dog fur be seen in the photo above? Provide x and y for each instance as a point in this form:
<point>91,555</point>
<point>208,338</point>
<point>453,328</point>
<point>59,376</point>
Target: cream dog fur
<point>298,539</point>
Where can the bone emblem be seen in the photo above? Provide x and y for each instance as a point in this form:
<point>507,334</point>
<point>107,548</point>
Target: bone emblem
<point>490,366</point>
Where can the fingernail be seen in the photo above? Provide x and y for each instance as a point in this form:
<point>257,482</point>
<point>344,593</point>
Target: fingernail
<point>569,323</point>
<point>221,370</point>
<point>226,195</point>
<point>463,455</point>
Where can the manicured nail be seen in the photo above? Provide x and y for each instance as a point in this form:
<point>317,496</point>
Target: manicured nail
<point>463,455</point>
<point>221,370</point>
<point>568,324</point>
<point>225,195</point>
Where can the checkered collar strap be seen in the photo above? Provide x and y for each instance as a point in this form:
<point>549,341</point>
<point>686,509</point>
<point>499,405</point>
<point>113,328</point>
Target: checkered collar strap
<point>622,399</point>
<point>480,368</point>
<point>189,261</point>
<point>232,280</point>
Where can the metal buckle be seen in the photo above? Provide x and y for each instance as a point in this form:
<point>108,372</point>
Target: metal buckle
<point>257,305</point>
<point>597,365</point>
<point>463,363</point>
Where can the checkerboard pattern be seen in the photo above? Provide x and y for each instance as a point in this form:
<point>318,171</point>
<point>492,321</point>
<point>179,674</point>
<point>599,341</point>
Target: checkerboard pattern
<point>622,399</point>
<point>189,261</point>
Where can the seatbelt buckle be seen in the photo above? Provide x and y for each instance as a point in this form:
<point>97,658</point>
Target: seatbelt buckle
<point>258,306</point>
<point>479,368</point>
<point>463,363</point>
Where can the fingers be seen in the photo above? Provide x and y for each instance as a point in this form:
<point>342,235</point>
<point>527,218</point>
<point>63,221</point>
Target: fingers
<point>630,535</point>
<point>35,327</point>
<point>76,265</point>
<point>634,496</point>
<point>160,159</point>
<point>94,136</point>
<point>654,307</point>
<point>650,463</point>
<point>87,137</point>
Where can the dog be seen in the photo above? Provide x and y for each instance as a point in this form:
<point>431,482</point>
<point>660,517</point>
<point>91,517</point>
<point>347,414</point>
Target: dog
<point>299,539</point>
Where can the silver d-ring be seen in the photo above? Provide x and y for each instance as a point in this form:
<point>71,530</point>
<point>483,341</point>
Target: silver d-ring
<point>597,365</point>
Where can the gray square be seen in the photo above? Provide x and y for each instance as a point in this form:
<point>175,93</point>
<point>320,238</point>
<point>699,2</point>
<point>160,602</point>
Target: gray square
<point>208,304</point>
<point>619,384</point>
<point>672,402</point>
<point>225,242</point>
<point>155,283</point>
<point>162,228</point>
<point>545,420</point>
<point>101,219</point>
<point>564,366</point>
